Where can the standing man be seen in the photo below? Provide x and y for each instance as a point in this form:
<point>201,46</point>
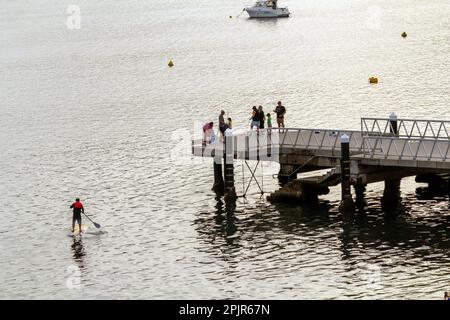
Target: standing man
<point>280,110</point>
<point>222,122</point>
<point>77,207</point>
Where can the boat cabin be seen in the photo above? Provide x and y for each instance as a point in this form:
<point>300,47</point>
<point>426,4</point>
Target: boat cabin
<point>266,3</point>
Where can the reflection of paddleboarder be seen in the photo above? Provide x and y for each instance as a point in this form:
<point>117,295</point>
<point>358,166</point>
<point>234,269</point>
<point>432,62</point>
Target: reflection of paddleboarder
<point>77,207</point>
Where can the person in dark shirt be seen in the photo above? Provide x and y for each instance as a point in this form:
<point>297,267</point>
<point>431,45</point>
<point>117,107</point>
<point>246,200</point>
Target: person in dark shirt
<point>280,110</point>
<point>262,117</point>
<point>77,207</point>
<point>222,122</point>
<point>255,119</point>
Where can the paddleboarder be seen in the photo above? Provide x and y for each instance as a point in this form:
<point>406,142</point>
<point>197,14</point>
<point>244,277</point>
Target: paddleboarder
<point>77,207</point>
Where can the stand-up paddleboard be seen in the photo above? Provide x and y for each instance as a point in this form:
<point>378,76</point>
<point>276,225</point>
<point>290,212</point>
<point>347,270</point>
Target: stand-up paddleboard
<point>76,231</point>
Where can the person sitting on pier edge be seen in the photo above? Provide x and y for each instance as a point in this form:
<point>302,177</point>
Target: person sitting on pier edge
<point>207,128</point>
<point>255,119</point>
<point>280,110</point>
<point>222,122</point>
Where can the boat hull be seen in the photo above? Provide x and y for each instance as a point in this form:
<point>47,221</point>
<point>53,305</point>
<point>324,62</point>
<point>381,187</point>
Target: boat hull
<point>267,13</point>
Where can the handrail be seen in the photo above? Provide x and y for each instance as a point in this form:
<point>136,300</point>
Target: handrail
<point>373,145</point>
<point>406,148</point>
<point>320,139</point>
<point>412,128</point>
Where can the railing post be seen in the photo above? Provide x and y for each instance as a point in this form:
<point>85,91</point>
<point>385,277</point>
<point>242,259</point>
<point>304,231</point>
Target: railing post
<point>347,204</point>
<point>393,128</point>
<point>228,157</point>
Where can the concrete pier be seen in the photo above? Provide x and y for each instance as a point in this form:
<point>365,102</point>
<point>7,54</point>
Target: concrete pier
<point>383,150</point>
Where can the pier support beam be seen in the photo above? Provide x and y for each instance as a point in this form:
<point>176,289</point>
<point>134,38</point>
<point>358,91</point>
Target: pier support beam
<point>391,194</point>
<point>347,204</point>
<point>284,175</point>
<point>448,187</point>
<point>436,182</point>
<point>310,192</point>
<point>228,157</point>
<point>219,185</point>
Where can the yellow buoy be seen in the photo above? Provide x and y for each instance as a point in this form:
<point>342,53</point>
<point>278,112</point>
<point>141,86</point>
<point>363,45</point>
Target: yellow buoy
<point>373,80</point>
<point>404,35</point>
<point>170,64</point>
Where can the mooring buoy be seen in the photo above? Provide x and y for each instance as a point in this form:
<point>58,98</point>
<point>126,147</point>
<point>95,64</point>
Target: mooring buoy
<point>373,80</point>
<point>170,64</point>
<point>404,35</point>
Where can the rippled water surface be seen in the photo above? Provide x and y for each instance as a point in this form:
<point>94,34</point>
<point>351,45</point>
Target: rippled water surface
<point>97,113</point>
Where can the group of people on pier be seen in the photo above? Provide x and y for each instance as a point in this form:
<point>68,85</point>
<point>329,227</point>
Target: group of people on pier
<point>258,119</point>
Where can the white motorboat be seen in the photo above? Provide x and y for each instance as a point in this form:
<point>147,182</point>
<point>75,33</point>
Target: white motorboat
<point>267,9</point>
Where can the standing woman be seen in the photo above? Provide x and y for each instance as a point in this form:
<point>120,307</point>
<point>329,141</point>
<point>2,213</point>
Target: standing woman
<point>255,119</point>
<point>262,117</point>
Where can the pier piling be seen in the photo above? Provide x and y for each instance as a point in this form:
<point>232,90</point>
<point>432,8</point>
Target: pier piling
<point>230,191</point>
<point>218,185</point>
<point>347,203</point>
<point>391,193</point>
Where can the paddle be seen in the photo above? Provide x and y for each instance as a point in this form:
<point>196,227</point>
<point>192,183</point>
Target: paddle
<point>95,224</point>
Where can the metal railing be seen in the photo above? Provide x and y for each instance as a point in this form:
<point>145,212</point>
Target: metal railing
<point>398,148</point>
<point>320,139</point>
<point>428,145</point>
<point>411,128</point>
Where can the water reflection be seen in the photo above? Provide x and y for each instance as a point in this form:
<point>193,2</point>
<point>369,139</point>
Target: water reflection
<point>225,220</point>
<point>78,251</point>
<point>374,234</point>
<point>269,22</point>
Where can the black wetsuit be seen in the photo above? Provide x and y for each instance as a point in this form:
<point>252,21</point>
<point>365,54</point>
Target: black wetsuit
<point>77,209</point>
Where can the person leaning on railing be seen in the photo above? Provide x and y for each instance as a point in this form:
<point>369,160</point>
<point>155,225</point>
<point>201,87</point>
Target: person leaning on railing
<point>207,130</point>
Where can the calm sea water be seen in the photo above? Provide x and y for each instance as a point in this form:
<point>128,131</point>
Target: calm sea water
<point>95,112</point>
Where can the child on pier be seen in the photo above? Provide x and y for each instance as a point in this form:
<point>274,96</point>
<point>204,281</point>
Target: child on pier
<point>269,121</point>
<point>229,124</point>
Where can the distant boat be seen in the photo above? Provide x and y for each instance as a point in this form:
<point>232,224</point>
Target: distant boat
<point>267,9</point>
